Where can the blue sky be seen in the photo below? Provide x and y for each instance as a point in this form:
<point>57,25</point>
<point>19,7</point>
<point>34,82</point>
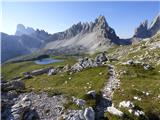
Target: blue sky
<point>58,16</point>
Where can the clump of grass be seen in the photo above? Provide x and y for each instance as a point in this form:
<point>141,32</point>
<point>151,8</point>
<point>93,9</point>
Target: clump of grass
<point>52,93</point>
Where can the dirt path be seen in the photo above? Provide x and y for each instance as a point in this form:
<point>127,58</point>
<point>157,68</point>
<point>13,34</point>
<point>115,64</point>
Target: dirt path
<point>105,100</point>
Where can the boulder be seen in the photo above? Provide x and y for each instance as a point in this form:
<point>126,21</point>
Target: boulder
<point>126,104</point>
<point>147,66</point>
<point>138,113</point>
<point>78,102</point>
<point>89,114</point>
<point>52,72</point>
<point>114,111</point>
<point>101,58</point>
<point>92,93</point>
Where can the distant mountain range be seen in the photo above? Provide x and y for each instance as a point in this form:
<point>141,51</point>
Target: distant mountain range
<point>80,37</point>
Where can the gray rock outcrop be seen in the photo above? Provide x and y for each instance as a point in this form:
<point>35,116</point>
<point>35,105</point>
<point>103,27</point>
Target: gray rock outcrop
<point>145,31</point>
<point>40,71</point>
<point>86,62</point>
<point>142,30</point>
<point>86,114</point>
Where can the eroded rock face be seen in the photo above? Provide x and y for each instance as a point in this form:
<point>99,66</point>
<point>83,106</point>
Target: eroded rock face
<point>21,110</point>
<point>144,31</point>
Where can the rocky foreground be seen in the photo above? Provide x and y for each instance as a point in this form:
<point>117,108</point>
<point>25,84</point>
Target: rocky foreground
<point>18,105</point>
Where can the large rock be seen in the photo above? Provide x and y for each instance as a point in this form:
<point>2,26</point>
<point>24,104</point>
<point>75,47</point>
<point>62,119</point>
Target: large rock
<point>78,102</point>
<point>52,72</point>
<point>126,104</point>
<point>101,58</point>
<point>84,63</point>
<point>92,93</point>
<point>89,114</point>
<point>114,111</point>
<point>40,71</point>
<point>89,62</point>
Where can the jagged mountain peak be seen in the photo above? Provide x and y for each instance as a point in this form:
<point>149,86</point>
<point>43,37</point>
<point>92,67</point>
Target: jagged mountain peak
<point>22,30</point>
<point>101,20</point>
<point>144,30</point>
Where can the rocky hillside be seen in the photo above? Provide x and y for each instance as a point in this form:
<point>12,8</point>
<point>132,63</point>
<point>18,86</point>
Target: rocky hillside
<point>25,41</point>
<point>92,36</point>
<point>121,83</point>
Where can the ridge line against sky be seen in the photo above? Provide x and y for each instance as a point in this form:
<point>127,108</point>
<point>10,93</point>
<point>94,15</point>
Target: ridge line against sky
<point>124,17</point>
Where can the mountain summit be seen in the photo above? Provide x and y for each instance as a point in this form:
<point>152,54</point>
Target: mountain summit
<point>93,36</point>
<point>21,30</point>
<point>144,30</point>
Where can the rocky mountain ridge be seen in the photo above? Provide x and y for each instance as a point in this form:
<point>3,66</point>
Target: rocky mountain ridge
<point>99,24</point>
<point>144,30</point>
<point>92,36</point>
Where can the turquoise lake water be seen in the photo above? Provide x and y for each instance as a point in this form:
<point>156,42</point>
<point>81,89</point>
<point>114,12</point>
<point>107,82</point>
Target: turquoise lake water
<point>47,61</point>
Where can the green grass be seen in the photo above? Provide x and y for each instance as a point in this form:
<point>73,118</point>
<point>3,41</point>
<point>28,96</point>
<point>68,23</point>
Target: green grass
<point>133,83</point>
<point>79,84</point>
<point>10,70</point>
<point>60,83</point>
